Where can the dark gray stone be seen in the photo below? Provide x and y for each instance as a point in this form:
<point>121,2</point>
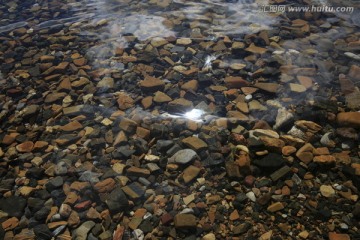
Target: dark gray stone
<point>117,200</point>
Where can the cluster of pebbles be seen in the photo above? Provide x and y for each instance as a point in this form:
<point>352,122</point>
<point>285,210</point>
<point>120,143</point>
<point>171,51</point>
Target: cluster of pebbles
<point>242,136</point>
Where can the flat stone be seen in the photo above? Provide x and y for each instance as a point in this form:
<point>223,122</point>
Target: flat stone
<point>119,168</point>
<point>347,86</point>
<point>106,185</point>
<point>243,107</point>
<point>147,102</point>
<point>125,101</point>
<point>254,49</point>
<point>39,145</point>
<point>134,190</point>
<point>325,159</point>
<point>190,173</point>
<point>106,82</point>
<point>151,84</point>
<point>128,125</point>
<point>10,223</point>
<point>353,100</point>
<point>235,82</point>
<point>195,143</point>
<point>338,236</point>
<point>232,170</point>
<point>71,126</point>
<point>305,81</point>
<point>212,199</point>
<point>255,105</point>
<point>305,153</point>
<point>183,41</point>
<point>297,88</point>
<point>283,117</point>
<point>137,172</point>
<point>280,173</point>
<point>349,119</point>
<point>275,207</point>
<point>183,156</point>
<point>180,105</point>
<point>158,41</point>
<point>74,110</point>
<point>190,85</point>
<point>185,221</point>
<point>25,147</point>
<point>135,222</point>
<point>81,233</point>
<point>234,215</point>
<point>53,97</point>
<point>161,97</point>
<point>288,150</point>
<point>30,110</point>
<point>354,72</point>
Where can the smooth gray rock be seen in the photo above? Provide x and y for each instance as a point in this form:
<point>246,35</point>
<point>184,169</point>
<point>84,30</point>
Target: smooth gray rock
<point>183,156</point>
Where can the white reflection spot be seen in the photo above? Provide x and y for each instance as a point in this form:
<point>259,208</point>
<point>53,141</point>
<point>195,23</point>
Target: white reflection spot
<point>194,114</point>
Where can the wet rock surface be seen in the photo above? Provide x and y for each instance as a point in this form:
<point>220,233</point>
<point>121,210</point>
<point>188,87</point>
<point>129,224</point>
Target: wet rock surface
<point>177,122</point>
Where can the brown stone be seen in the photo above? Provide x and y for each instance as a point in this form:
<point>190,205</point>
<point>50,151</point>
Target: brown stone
<point>349,119</point>
<point>71,198</point>
<point>71,126</point>
<point>39,145</point>
<point>190,85</point>
<point>137,172</point>
<point>73,219</point>
<point>346,85</point>
<point>185,221</point>
<point>190,173</point>
<point>120,139</point>
<point>54,225</point>
<point>232,169</point>
<point>143,132</point>
<point>25,147</point>
<point>93,214</point>
<point>78,186</point>
<point>338,236</point>
<point>80,61</point>
<point>321,151</point>
<point>161,97</point>
<point>243,107</point>
<point>305,81</point>
<point>235,82</point>
<point>10,223</point>
<point>324,159</point>
<point>305,153</point>
<point>53,97</point>
<point>128,125</point>
<point>268,87</point>
<point>254,49</point>
<point>194,143</point>
<point>288,150</point>
<point>105,186</point>
<point>273,144</point>
<point>354,72</point>
<point>147,102</point>
<point>125,101</point>
<point>9,139</point>
<point>234,215</point>
<point>181,104</point>
<point>151,84</point>
<point>275,207</point>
